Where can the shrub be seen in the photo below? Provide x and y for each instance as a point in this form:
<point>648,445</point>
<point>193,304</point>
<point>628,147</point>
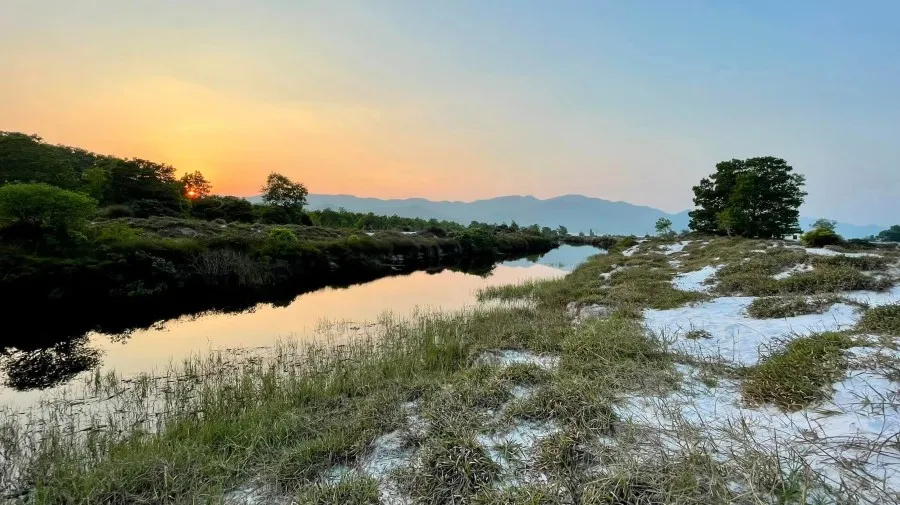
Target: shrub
<point>44,206</point>
<point>115,232</point>
<point>229,208</point>
<point>116,211</point>
<point>148,208</point>
<point>821,237</point>
<point>624,243</point>
<point>270,214</point>
<point>282,235</point>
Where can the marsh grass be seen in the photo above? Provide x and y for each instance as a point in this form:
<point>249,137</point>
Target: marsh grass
<point>800,373</point>
<point>773,307</point>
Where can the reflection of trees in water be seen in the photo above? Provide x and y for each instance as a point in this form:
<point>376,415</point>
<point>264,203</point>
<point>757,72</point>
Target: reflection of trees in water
<point>47,367</point>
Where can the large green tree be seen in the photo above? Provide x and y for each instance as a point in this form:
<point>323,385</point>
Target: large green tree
<point>756,197</point>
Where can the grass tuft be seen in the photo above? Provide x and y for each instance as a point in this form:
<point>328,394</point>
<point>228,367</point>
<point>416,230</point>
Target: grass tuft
<point>524,495</point>
<point>350,491</point>
<point>777,307</point>
<point>571,401</point>
<point>697,334</point>
<point>884,320</point>
<point>799,374</point>
<point>453,469</point>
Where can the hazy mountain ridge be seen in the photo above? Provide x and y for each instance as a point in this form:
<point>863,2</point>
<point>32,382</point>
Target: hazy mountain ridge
<point>576,212</point>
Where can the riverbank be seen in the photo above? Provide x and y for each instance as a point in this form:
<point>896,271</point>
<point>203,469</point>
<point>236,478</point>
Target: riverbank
<point>170,260</point>
<point>638,378</point>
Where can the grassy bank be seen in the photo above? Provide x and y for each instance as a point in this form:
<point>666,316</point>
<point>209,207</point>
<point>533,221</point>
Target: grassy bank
<point>160,257</point>
<point>564,399</point>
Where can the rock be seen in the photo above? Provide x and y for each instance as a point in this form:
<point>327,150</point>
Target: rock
<point>187,232</point>
<point>580,312</point>
<point>595,310</point>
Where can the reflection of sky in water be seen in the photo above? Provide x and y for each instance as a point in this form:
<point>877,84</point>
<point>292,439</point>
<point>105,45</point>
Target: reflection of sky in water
<point>170,341</point>
<point>565,257</point>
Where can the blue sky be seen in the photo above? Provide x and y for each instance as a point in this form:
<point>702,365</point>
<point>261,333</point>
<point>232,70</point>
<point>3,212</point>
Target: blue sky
<point>470,99</point>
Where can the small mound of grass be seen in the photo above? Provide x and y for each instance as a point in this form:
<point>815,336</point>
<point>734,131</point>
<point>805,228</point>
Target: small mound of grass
<point>524,374</point>
<point>830,279</point>
<point>463,401</point>
<point>884,320</point>
<point>572,401</point>
<point>754,278</point>
<point>800,373</point>
<point>453,469</point>
<point>350,491</point>
<point>697,334</point>
<point>776,307</point>
<point>563,454</point>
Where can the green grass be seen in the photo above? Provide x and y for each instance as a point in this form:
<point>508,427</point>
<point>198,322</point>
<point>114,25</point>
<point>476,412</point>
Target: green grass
<point>800,373</point>
<point>454,468</point>
<point>524,495</point>
<point>571,401</point>
<point>884,320</point>
<point>350,491</point>
<point>774,307</point>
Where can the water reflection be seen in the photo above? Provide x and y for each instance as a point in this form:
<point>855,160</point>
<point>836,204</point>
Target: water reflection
<point>46,367</point>
<point>154,344</point>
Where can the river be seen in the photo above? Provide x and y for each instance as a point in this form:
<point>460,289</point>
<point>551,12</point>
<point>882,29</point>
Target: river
<point>29,375</point>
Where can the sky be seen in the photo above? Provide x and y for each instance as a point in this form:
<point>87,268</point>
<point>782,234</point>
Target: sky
<point>470,99</point>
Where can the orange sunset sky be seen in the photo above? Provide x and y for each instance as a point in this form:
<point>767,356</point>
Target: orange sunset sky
<point>465,100</point>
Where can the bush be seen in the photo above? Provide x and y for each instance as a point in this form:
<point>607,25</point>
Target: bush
<point>115,232</point>
<point>625,243</point>
<point>148,208</point>
<point>229,208</point>
<point>41,205</point>
<point>271,214</point>
<point>282,235</point>
<point>116,211</point>
<point>821,237</point>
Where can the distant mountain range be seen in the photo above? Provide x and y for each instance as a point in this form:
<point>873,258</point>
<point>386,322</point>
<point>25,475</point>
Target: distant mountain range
<point>575,212</point>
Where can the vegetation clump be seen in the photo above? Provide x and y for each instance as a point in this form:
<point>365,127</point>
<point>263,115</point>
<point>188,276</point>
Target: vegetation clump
<point>821,237</point>
<point>772,307</point>
<point>798,374</point>
<point>697,334</point>
<point>348,491</point>
<point>884,320</point>
<point>453,469</point>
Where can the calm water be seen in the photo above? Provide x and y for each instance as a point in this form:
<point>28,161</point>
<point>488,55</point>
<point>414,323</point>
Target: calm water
<point>28,376</point>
